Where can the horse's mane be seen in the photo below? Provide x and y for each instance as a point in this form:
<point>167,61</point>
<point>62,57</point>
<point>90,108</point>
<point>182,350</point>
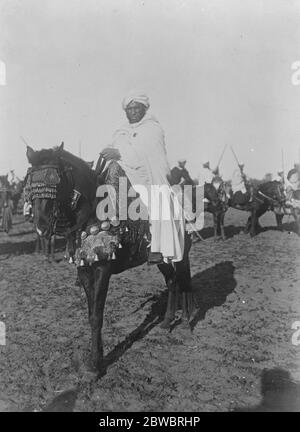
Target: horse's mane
<point>77,163</point>
<point>84,177</point>
<point>266,185</point>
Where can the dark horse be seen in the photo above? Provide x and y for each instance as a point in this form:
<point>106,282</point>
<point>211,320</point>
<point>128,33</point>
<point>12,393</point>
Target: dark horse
<point>67,174</point>
<point>266,196</point>
<point>216,203</point>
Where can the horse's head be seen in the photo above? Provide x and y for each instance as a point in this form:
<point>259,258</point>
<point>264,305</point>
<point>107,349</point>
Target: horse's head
<point>272,191</point>
<point>46,187</point>
<point>277,191</point>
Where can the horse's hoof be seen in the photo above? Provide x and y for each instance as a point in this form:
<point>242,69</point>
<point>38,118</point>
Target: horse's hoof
<point>95,369</point>
<point>166,324</point>
<point>185,324</point>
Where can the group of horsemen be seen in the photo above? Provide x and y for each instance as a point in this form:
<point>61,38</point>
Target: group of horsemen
<point>242,188</point>
<point>139,148</point>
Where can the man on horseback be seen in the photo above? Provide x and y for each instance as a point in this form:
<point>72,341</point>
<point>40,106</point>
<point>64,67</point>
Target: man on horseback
<point>242,188</point>
<point>139,148</point>
<point>180,175</point>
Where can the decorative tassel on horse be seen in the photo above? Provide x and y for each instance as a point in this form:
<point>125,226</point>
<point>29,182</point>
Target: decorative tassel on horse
<point>41,183</point>
<point>75,198</point>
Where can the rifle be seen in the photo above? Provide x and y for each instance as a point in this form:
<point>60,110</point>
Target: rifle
<point>282,165</point>
<point>216,171</point>
<point>241,167</point>
<point>24,141</point>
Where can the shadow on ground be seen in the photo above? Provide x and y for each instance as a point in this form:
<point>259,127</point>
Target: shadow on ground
<point>211,288</point>
<point>279,393</point>
<point>27,247</point>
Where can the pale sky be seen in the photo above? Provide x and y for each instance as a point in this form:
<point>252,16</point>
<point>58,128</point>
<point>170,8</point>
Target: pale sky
<point>217,72</point>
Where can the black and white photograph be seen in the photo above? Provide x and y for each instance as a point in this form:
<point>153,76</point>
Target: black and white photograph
<point>149,209</point>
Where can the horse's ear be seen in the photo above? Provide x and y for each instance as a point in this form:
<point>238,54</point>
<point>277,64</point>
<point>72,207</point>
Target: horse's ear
<point>30,154</point>
<point>59,149</point>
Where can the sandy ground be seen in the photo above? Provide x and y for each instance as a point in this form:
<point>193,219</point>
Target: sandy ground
<point>239,353</point>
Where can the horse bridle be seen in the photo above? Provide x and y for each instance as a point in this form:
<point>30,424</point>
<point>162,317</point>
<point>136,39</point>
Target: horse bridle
<point>45,189</point>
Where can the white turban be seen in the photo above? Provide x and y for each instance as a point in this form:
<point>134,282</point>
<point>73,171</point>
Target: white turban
<point>136,96</point>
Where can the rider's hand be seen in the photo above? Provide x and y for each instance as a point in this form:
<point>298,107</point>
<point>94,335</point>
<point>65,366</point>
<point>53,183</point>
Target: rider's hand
<point>110,153</point>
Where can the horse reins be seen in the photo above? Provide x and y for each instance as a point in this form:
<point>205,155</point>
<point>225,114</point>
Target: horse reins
<point>272,200</point>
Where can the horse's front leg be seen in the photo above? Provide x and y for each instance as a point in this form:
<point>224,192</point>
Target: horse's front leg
<point>215,216</point>
<point>222,216</point>
<point>253,223</point>
<point>70,247</point>
<point>44,246</point>
<point>279,218</point>
<point>95,281</point>
<point>37,244</point>
<point>102,275</point>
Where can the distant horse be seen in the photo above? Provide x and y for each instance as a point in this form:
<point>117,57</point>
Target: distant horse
<point>54,176</point>
<point>215,200</point>
<point>266,196</point>
<point>17,190</point>
<point>6,204</point>
<point>216,203</point>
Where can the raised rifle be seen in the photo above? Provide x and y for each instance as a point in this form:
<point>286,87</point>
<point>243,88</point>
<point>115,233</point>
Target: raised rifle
<point>241,168</point>
<point>216,171</point>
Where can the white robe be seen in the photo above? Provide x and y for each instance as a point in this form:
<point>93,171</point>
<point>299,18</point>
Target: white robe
<point>237,182</point>
<point>205,176</point>
<point>144,160</point>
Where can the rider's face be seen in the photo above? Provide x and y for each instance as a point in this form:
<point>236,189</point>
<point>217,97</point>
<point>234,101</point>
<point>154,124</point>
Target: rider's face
<point>294,178</point>
<point>135,111</point>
